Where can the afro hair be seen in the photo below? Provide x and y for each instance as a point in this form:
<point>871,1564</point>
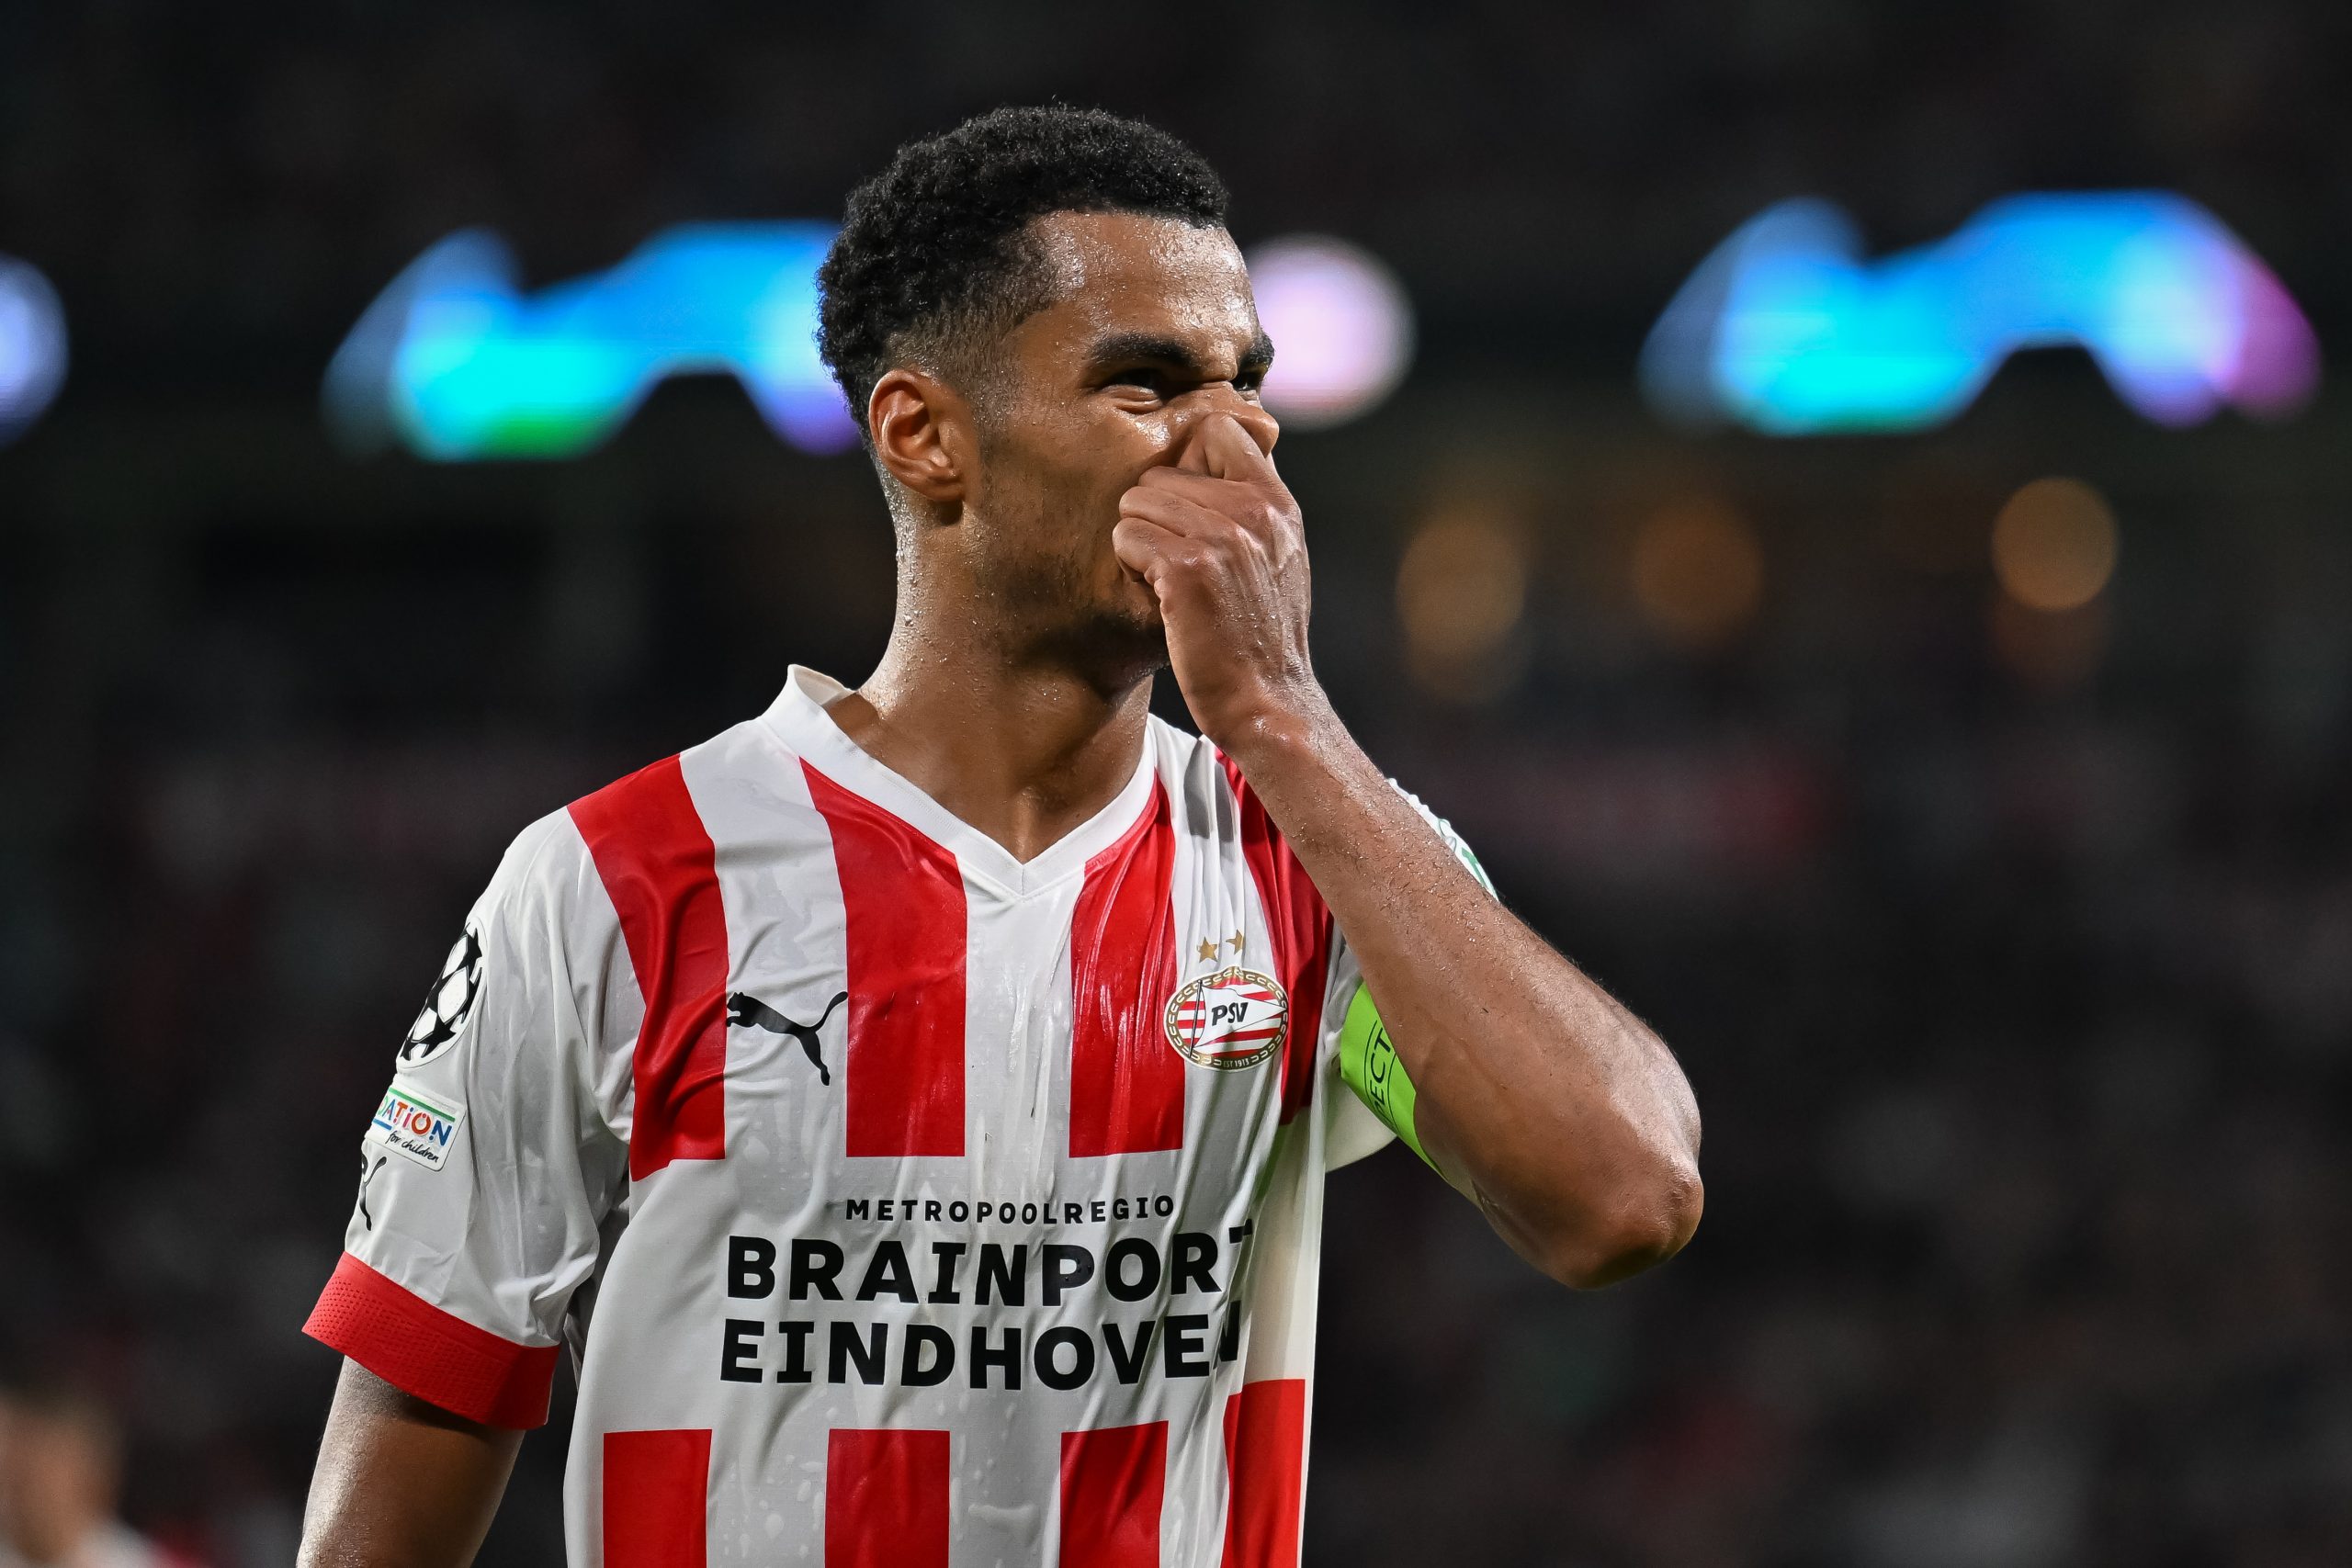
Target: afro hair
<point>934,254</point>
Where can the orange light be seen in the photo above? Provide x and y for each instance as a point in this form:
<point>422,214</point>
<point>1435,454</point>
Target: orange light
<point>2055,545</point>
<point>1460,592</point>
<point>1697,572</point>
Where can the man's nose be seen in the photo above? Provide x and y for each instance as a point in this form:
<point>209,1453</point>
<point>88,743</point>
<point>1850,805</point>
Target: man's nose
<point>1263,427</point>
<point>1224,398</point>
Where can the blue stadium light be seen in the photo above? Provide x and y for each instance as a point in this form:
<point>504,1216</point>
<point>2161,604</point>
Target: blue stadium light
<point>32,346</point>
<point>456,362</point>
<point>1786,329</point>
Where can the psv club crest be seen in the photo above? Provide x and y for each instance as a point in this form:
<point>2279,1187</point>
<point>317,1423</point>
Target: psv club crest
<point>1232,1019</point>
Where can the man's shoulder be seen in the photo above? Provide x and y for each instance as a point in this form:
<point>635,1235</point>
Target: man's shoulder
<point>752,745</point>
<point>636,812</point>
<point>666,797</point>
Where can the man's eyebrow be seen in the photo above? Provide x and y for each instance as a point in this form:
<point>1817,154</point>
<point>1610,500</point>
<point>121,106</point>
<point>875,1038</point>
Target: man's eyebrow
<point>1128,348</point>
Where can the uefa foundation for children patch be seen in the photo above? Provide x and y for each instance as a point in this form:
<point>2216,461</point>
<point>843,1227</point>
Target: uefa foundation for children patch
<point>422,1129</point>
<point>1232,1019</point>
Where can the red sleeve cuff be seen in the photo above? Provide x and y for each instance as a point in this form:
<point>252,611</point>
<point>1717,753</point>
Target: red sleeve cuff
<point>420,1349</point>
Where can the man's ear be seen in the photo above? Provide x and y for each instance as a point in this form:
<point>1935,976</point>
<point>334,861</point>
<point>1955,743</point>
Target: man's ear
<point>922,434</point>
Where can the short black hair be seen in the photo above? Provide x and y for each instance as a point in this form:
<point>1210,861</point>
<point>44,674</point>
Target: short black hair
<point>932,253</point>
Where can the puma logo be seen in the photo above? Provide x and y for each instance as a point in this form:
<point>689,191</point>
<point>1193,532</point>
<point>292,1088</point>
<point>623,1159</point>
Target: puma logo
<point>750,1011</point>
<point>367,1175</point>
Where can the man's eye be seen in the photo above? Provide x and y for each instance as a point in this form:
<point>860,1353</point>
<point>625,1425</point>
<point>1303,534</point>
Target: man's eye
<point>1152,381</point>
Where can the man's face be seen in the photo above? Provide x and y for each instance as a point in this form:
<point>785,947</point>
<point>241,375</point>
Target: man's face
<point>1153,331</point>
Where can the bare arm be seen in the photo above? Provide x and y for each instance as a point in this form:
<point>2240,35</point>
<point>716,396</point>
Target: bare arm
<point>400,1484</point>
<point>1559,1112</point>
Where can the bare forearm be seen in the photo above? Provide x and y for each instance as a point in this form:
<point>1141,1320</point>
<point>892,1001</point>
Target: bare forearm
<point>401,1484</point>
<point>1559,1112</point>
<point>1567,1119</point>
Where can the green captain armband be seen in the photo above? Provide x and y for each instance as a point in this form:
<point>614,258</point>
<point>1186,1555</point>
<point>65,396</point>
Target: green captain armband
<point>1369,1065</point>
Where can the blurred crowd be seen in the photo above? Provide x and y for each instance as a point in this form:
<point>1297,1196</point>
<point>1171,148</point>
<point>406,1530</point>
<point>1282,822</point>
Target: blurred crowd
<point>2007,950</point>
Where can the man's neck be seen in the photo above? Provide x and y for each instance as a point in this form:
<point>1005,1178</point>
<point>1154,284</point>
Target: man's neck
<point>1023,751</point>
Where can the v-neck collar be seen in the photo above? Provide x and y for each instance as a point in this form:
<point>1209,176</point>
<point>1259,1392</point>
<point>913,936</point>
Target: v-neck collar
<point>797,716</point>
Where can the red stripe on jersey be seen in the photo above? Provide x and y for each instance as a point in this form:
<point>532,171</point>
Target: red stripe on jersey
<point>1265,1454</point>
<point>660,871</point>
<point>656,1490</point>
<point>1126,1086</point>
<point>902,902</point>
<point>1112,1484</point>
<point>1300,926</point>
<point>420,1349</point>
<point>886,1499</point>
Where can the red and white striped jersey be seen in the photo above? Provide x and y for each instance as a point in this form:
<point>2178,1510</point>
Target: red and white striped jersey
<point>904,1204</point>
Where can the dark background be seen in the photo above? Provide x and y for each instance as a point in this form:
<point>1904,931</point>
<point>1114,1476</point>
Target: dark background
<point>2011,956</point>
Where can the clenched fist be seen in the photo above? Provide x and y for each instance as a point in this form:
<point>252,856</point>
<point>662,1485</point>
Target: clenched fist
<point>1218,538</point>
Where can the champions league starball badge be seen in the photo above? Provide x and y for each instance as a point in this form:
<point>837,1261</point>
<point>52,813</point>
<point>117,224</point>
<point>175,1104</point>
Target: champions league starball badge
<point>1232,1019</point>
<point>443,1016</point>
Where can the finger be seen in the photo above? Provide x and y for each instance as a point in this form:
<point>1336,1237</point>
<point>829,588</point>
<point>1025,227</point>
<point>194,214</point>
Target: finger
<point>1219,494</point>
<point>1143,547</point>
<point>1236,498</point>
<point>1178,513</point>
<point>1267,513</point>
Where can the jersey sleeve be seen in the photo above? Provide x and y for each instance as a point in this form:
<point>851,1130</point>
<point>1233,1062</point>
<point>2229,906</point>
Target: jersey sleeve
<point>1379,1104</point>
<point>487,1166</point>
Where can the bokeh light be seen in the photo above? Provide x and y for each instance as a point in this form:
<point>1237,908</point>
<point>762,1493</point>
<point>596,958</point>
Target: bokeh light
<point>1698,571</point>
<point>456,361</point>
<point>1787,329</point>
<point>1342,325</point>
<point>1461,593</point>
<point>32,346</point>
<point>2055,545</point>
